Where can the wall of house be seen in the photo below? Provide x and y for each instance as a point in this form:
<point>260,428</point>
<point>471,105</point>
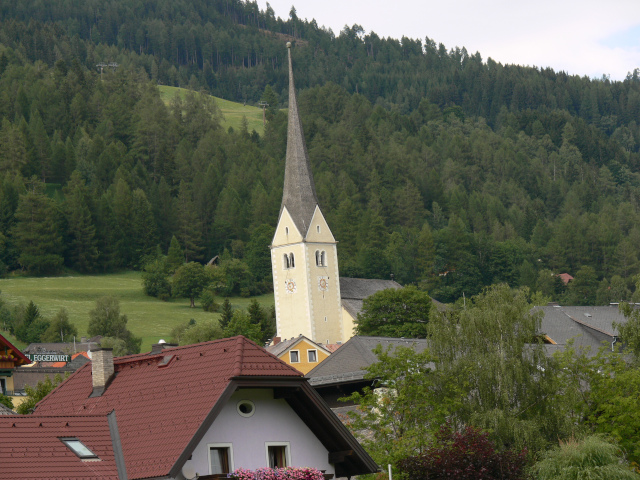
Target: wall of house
<point>348,325</point>
<point>273,421</point>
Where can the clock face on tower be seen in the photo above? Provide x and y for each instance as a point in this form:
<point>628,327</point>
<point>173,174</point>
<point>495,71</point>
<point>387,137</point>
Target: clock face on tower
<point>290,285</point>
<point>323,284</point>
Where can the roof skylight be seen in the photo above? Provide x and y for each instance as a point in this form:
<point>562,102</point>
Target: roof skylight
<point>79,448</point>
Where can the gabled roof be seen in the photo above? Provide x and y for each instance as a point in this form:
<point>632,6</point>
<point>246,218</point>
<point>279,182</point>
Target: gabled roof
<point>166,402</point>
<point>350,361</point>
<point>588,326</point>
<point>285,345</point>
<point>32,449</point>
<point>18,357</point>
<point>162,400</point>
<point>299,193</point>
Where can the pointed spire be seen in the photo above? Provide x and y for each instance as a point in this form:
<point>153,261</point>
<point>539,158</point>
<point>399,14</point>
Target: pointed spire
<point>299,195</point>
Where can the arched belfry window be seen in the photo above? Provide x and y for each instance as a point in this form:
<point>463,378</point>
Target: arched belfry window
<point>292,263</point>
<point>321,258</point>
<point>286,261</point>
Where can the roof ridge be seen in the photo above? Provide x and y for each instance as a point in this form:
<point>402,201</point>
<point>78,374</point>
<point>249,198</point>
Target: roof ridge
<point>237,367</point>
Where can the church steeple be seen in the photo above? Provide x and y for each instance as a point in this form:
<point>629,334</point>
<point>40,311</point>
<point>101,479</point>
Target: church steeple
<point>299,195</point>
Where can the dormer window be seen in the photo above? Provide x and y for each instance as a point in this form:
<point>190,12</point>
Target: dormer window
<point>79,448</point>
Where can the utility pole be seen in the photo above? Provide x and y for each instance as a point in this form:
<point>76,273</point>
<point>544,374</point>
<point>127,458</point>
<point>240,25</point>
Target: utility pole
<point>264,106</point>
<point>101,66</point>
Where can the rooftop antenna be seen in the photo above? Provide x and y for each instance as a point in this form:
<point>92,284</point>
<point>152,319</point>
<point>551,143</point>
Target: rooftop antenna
<point>264,106</point>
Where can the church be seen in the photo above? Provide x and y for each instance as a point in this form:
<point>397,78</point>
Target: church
<point>310,297</point>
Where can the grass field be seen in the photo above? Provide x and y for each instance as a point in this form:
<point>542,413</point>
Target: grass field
<point>232,111</point>
<point>149,318</point>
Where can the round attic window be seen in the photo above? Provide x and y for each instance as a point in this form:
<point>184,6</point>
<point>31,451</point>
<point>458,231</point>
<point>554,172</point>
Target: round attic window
<point>246,408</point>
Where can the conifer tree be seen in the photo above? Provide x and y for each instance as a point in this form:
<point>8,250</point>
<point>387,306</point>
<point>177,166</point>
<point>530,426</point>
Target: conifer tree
<point>175,255</point>
<point>37,233</point>
<point>83,244</point>
<point>227,313</point>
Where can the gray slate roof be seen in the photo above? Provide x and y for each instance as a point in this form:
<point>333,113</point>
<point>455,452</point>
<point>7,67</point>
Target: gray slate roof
<point>589,326</point>
<point>299,194</point>
<point>361,288</point>
<point>6,410</point>
<point>354,290</point>
<point>350,361</point>
<point>67,348</point>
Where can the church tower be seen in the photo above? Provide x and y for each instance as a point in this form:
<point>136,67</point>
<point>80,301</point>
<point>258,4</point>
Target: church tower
<point>304,257</point>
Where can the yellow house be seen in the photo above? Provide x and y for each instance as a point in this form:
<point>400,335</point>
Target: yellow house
<point>300,352</point>
<point>10,358</point>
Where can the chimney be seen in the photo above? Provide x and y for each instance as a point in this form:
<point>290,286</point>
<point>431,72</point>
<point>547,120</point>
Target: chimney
<point>101,369</point>
<point>276,340</point>
<point>160,346</point>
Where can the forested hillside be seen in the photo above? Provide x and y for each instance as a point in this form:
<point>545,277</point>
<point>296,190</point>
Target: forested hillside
<point>430,164</point>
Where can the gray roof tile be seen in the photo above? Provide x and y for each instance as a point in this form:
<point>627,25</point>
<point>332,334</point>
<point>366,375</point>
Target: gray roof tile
<point>351,360</point>
<point>299,193</point>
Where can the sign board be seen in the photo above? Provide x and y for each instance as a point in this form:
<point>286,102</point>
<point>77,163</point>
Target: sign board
<point>48,357</point>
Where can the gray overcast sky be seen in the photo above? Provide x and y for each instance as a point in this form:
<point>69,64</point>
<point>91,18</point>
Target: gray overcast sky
<point>582,37</point>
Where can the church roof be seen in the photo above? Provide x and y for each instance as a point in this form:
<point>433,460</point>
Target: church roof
<point>361,288</point>
<point>299,195</point>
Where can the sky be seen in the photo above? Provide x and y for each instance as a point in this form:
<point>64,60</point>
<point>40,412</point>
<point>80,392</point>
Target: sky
<point>581,37</point>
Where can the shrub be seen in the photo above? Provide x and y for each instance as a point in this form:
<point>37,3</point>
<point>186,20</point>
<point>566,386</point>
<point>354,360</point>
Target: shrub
<point>466,455</point>
<point>208,300</point>
<point>592,458</point>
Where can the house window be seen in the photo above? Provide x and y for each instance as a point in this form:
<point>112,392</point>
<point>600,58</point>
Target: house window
<point>318,228</point>
<point>79,448</point>
<point>3,386</point>
<point>220,459</point>
<point>312,355</point>
<point>321,258</point>
<point>278,454</point>
<point>292,263</point>
<point>286,230</point>
<point>294,356</point>
<point>285,261</point>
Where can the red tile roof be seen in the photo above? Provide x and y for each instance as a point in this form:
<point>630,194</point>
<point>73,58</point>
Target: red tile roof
<point>161,400</point>
<point>32,449</point>
<point>73,357</point>
<point>565,277</point>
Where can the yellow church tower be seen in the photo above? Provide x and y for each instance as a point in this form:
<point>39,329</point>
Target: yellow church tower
<point>304,257</point>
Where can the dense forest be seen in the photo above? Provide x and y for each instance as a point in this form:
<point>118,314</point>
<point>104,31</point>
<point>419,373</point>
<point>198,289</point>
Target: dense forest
<point>431,164</point>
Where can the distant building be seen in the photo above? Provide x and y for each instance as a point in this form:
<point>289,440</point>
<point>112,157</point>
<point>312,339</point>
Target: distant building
<point>11,359</point>
<point>300,352</point>
<point>308,291</point>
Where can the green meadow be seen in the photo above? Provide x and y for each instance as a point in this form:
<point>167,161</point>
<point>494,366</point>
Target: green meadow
<point>149,318</point>
<point>231,111</point>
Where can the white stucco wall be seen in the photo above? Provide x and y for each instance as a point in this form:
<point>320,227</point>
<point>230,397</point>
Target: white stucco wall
<point>273,421</point>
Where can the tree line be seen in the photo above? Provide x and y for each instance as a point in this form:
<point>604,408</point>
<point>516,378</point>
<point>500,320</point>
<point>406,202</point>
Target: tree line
<point>487,400</point>
<point>98,174</point>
